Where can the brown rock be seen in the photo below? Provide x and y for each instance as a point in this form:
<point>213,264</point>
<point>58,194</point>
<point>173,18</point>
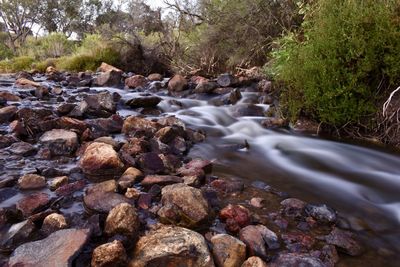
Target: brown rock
<point>258,239</point>
<point>155,77</point>
<point>31,181</point>
<point>136,81</point>
<point>104,187</point>
<point>166,134</point>
<point>177,84</point>
<point>101,160</point>
<point>26,84</point>
<point>109,78</point>
<point>122,219</point>
<point>144,102</point>
<point>22,148</point>
<point>60,142</point>
<point>54,222</point>
<point>32,203</point>
<point>70,188</point>
<point>109,254</point>
<point>58,182</point>
<point>68,123</point>
<point>151,163</point>
<point>171,246</point>
<point>17,234</point>
<point>139,126</point>
<point>254,262</point>
<point>58,249</point>
<point>103,202</point>
<point>132,193</point>
<point>228,251</point>
<point>205,87</point>
<point>188,202</point>
<point>295,259</point>
<point>236,216</point>
<point>160,180</point>
<point>7,113</point>
<point>129,177</point>
<point>344,241</point>
<point>9,96</point>
<point>104,67</point>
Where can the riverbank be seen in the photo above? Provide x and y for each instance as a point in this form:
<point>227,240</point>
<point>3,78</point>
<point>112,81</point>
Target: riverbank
<point>107,160</point>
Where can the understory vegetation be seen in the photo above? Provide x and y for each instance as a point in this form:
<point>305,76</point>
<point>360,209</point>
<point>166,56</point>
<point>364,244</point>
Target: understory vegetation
<point>335,62</point>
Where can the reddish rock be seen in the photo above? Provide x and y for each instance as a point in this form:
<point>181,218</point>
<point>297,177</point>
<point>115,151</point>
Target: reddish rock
<point>26,84</point>
<point>144,201</point>
<point>70,188</point>
<point>298,242</point>
<point>195,165</point>
<point>7,113</point>
<point>123,220</point>
<point>236,215</point>
<point>254,262</point>
<point>104,67</point>
<point>68,123</point>
<point>109,78</point>
<point>151,163</point>
<point>137,126</point>
<point>227,186</point>
<point>228,251</point>
<point>31,181</point>
<point>103,202</point>
<point>136,81</point>
<point>166,134</point>
<point>160,179</point>
<point>178,83</point>
<point>33,203</point>
<point>344,241</point>
<point>155,77</point>
<point>9,96</point>
<point>259,239</point>
<point>129,177</point>
<point>109,254</point>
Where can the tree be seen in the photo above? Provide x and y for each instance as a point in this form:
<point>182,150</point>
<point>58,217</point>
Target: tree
<point>19,18</point>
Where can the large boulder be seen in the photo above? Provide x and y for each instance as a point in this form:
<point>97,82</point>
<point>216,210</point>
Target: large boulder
<point>109,78</point>
<point>60,142</point>
<point>136,81</point>
<point>171,246</point>
<point>183,205</point>
<point>104,67</point>
<point>59,249</point>
<point>178,83</point>
<point>100,160</point>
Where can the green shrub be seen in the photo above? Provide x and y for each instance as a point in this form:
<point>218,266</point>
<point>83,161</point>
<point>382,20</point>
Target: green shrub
<point>50,46</point>
<point>16,64</point>
<point>335,66</point>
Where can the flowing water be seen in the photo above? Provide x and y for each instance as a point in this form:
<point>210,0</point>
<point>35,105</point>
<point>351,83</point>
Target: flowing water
<point>362,183</point>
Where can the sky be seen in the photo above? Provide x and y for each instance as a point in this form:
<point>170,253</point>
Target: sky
<point>155,3</point>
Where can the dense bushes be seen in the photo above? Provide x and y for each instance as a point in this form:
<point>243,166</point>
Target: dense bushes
<point>345,59</point>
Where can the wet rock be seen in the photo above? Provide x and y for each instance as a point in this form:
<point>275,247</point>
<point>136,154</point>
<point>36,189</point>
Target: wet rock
<point>65,108</point>
<point>344,241</point>
<point>228,251</point>
<point>7,113</point>
<point>257,202</point>
<point>22,148</point>
<point>144,102</point>
<point>8,96</point>
<point>100,160</point>
<point>109,254</point>
<point>234,96</point>
<point>75,125</point>
<point>298,242</point>
<point>259,239</point>
<point>160,180</point>
<point>26,83</point>
<point>144,201</point>
<point>123,220</point>
<point>108,140</point>
<point>166,134</point>
<point>41,92</point>
<point>7,140</point>
<point>58,249</point>
<point>205,87</point>
<point>227,186</point>
<point>103,202</point>
<point>186,202</point>
<point>103,127</point>
<point>57,90</point>
<point>226,80</point>
<point>54,222</point>
<point>264,86</point>
<point>137,126</point>
<point>18,128</point>
<point>177,84</point>
<point>328,255</point>
<point>155,77</point>
<point>241,110</point>
<point>17,234</point>
<point>254,262</point>
<point>31,181</point>
<point>293,207</point>
<point>101,104</point>
<point>151,163</point>
<point>109,78</point>
<point>104,67</point>
<point>136,81</point>
<point>306,126</point>
<point>129,177</point>
<point>295,259</point>
<point>70,188</point>
<point>60,142</point>
<point>132,193</point>
<point>236,217</point>
<point>171,246</point>
<point>195,165</point>
<point>33,203</point>
<point>321,212</point>
<point>104,187</point>
<point>273,122</point>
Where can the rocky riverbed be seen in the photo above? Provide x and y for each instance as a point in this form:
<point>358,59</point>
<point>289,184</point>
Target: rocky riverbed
<point>95,169</point>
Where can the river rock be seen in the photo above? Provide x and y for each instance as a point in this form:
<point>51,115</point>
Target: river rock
<point>321,212</point>
<point>109,254</point>
<point>60,142</point>
<point>32,203</point>
<point>8,96</point>
<point>111,78</point>
<point>166,134</point>
<point>186,203</point>
<point>103,187</point>
<point>293,207</point>
<point>100,160</point>
<point>70,188</point>
<point>344,241</point>
<point>104,67</point>
<point>178,83</point>
<point>22,148</point>
<point>144,102</point>
<point>137,126</point>
<point>241,110</point>
<point>171,246</point>
<point>295,259</point>
<point>7,113</point>
<point>236,217</point>
<point>193,167</point>
<point>151,163</point>
<point>259,239</point>
<point>123,220</point>
<point>34,120</point>
<point>54,222</point>
<point>205,87</point>
<point>101,104</point>
<point>7,140</point>
<point>26,83</point>
<point>31,181</point>
<point>17,234</point>
<point>226,80</point>
<point>254,262</point>
<point>155,77</point>
<point>298,241</point>
<point>160,180</point>
<point>135,81</point>
<point>129,177</point>
<point>58,182</point>
<point>75,125</point>
<point>103,202</point>
<point>228,251</point>
<point>58,249</point>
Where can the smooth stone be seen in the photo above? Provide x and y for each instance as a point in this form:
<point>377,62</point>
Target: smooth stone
<point>58,182</point>
<point>22,148</point>
<point>17,234</point>
<point>129,177</point>
<point>135,81</point>
<point>254,262</point>
<point>54,222</point>
<point>295,259</point>
<point>109,254</point>
<point>123,220</point>
<point>139,126</point>
<point>321,212</point>
<point>103,202</point>
<point>177,83</point>
<point>31,181</point>
<point>7,113</point>
<point>228,251</point>
<point>32,203</point>
<point>60,142</point>
<point>259,239</point>
<point>236,217</point>
<point>160,180</point>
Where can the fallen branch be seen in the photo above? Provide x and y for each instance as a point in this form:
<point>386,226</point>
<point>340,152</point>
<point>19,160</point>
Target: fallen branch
<point>387,103</point>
